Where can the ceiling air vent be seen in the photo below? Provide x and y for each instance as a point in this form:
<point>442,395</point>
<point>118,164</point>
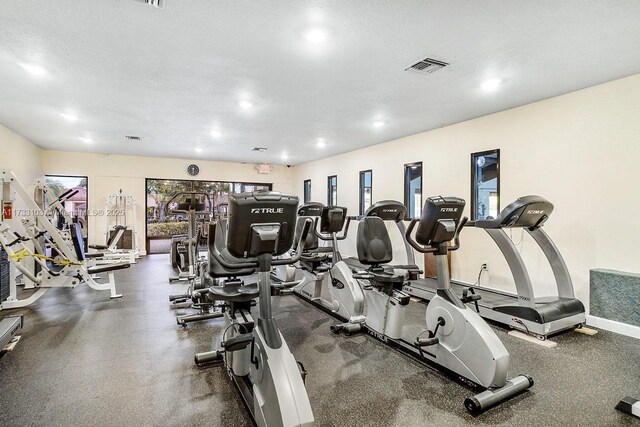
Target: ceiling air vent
<point>155,3</point>
<point>261,149</point>
<point>427,66</point>
<point>133,138</point>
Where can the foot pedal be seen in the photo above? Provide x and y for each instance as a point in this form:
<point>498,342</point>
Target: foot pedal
<point>303,371</point>
<point>426,342</point>
<point>208,357</point>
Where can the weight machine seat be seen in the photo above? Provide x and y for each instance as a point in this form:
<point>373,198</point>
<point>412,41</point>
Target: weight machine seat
<point>108,267</point>
<point>234,292</point>
<point>217,241</point>
<point>99,247</point>
<point>525,212</point>
<point>93,255</point>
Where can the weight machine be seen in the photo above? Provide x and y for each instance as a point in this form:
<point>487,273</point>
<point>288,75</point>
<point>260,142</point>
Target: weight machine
<point>55,259</point>
<point>121,236</point>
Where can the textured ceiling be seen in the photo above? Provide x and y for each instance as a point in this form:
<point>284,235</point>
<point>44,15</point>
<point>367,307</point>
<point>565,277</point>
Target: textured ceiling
<point>172,75</point>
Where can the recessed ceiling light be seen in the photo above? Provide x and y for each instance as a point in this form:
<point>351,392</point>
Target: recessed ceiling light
<point>245,104</point>
<point>316,35</point>
<point>215,133</point>
<point>321,143</point>
<point>379,123</point>
<point>198,150</point>
<point>34,70</point>
<point>491,84</point>
<point>284,156</point>
<point>86,140</point>
<point>70,117</point>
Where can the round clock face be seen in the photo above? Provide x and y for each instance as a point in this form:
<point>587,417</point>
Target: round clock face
<point>193,170</point>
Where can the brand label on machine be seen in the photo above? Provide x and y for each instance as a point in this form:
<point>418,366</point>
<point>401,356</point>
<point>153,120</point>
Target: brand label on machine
<point>448,209</point>
<point>535,211</point>
<point>267,210</point>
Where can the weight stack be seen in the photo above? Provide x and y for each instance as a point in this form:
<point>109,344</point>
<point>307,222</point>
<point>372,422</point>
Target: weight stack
<point>4,275</point>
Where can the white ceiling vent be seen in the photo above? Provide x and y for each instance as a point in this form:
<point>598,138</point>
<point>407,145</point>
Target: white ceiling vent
<point>427,66</point>
<point>155,3</point>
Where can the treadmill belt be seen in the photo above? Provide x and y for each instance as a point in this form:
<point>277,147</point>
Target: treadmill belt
<point>487,298</point>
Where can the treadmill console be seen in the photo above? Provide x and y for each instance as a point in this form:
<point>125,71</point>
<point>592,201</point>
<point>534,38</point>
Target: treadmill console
<point>261,223</point>
<point>526,212</point>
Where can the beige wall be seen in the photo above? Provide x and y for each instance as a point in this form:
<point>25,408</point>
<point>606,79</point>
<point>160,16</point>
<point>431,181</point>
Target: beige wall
<point>109,173</point>
<point>20,155</point>
<point>580,151</point>
<point>23,158</point>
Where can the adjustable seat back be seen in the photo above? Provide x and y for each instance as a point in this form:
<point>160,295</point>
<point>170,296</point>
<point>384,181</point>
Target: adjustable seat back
<point>373,242</point>
<point>217,241</point>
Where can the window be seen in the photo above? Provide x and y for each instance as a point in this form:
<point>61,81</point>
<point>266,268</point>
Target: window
<point>485,184</point>
<point>365,190</point>
<point>332,190</point>
<point>76,203</point>
<point>162,225</point>
<point>413,189</point>
<point>307,190</point>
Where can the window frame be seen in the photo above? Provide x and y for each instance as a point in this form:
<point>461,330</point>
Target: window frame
<point>306,196</point>
<point>57,175</point>
<point>362,187</point>
<point>473,178</point>
<point>329,192</point>
<point>407,167</point>
<point>192,181</point>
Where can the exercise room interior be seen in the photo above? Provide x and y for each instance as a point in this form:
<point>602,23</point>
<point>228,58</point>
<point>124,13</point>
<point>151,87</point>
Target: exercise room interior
<point>319,213</point>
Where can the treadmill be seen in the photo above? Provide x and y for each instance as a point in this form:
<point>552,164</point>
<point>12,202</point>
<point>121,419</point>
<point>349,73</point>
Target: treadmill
<point>538,316</point>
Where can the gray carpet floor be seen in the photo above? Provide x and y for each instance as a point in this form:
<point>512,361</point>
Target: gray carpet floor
<point>85,359</point>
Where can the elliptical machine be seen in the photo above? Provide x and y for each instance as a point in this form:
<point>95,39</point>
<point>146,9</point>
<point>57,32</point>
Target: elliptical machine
<point>184,249</point>
<point>260,226</point>
<point>330,287</point>
<point>185,257</point>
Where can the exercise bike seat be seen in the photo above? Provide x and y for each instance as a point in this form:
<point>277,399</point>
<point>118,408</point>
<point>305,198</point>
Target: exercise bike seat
<point>234,292</point>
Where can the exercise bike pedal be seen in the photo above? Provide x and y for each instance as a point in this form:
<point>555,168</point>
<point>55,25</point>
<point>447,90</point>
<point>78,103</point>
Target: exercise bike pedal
<point>303,371</point>
<point>426,342</point>
<point>208,357</point>
<point>347,328</point>
<point>238,342</point>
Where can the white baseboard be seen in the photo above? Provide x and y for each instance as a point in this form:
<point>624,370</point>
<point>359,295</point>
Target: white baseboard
<point>613,326</point>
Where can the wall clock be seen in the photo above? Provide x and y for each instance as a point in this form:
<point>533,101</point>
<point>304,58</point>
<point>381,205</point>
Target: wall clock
<point>193,170</point>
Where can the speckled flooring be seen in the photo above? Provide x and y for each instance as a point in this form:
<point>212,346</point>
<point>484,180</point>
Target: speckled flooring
<point>85,359</point>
